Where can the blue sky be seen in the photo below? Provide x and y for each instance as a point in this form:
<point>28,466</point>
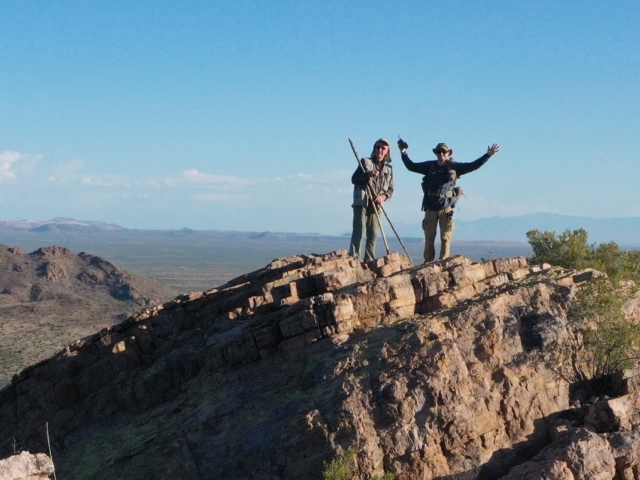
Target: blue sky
<point>235,115</point>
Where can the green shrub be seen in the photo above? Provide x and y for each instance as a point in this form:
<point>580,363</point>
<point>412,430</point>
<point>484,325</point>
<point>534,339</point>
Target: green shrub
<point>341,468</point>
<point>386,476</point>
<point>571,249</point>
<point>612,342</point>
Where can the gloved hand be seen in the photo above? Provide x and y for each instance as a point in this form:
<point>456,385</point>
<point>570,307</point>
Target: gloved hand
<point>402,145</point>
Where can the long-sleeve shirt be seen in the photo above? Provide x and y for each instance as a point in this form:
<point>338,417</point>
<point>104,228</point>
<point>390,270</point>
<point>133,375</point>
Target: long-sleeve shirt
<point>436,178</point>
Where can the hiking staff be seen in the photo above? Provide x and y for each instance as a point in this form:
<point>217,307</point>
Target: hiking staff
<point>394,231</point>
<point>371,197</point>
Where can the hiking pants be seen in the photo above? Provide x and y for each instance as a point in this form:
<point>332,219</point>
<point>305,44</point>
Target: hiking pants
<point>430,223</point>
<point>364,218</point>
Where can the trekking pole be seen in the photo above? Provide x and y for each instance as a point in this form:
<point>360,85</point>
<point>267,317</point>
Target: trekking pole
<point>382,208</point>
<point>371,198</point>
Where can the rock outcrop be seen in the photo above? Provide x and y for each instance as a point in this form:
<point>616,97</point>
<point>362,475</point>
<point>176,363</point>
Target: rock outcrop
<point>450,370</point>
<point>26,466</point>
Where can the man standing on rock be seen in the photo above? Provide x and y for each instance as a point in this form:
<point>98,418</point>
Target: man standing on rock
<point>440,193</point>
<point>378,175</point>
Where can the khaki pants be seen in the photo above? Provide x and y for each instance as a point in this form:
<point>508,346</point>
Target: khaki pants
<point>433,218</point>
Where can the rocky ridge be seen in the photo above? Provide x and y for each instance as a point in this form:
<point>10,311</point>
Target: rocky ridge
<point>452,370</point>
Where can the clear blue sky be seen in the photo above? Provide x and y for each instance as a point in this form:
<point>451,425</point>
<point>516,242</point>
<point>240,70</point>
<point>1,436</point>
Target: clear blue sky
<point>235,115</point>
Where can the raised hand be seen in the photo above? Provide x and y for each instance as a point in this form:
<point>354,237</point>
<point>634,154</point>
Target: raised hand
<point>493,149</point>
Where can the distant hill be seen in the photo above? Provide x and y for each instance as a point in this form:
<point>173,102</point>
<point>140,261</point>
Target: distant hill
<point>624,231</point>
<point>52,296</point>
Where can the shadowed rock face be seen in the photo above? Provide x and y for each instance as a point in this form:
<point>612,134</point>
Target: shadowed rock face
<point>450,370</point>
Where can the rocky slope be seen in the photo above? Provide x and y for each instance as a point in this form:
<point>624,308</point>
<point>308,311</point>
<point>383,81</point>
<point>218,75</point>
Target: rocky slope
<point>452,370</point>
<point>52,296</point>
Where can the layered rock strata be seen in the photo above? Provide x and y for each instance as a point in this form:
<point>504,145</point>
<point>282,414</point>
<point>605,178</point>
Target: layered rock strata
<point>447,370</point>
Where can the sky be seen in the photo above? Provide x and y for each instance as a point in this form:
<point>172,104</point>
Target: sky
<point>236,115</point>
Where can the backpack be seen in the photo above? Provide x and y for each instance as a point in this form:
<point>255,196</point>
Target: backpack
<point>452,193</point>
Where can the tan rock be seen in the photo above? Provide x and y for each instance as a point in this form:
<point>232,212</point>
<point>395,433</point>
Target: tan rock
<point>52,271</point>
<point>615,413</point>
<point>26,466</point>
<point>576,454</point>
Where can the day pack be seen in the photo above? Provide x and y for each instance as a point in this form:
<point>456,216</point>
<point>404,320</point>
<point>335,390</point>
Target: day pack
<point>449,191</point>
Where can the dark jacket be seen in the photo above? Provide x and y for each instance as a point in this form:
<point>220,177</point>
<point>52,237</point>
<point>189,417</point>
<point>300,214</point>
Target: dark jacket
<point>436,178</point>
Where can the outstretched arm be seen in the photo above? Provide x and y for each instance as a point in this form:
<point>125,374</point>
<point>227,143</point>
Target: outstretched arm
<point>462,168</point>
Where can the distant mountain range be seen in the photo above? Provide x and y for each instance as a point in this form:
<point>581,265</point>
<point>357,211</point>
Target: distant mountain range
<point>624,231</point>
<point>61,224</point>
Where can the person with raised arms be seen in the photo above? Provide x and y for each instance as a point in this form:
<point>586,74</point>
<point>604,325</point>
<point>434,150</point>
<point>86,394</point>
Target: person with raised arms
<point>441,192</point>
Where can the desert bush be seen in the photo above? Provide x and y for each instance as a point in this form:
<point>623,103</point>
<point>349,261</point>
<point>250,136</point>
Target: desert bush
<point>105,337</point>
<point>611,341</point>
<point>571,249</point>
<point>342,467</point>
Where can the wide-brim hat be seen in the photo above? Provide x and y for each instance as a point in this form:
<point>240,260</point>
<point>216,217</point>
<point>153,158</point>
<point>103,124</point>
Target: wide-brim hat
<point>442,146</point>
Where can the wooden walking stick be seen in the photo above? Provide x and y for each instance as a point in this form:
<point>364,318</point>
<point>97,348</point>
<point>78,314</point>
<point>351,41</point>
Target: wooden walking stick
<point>370,194</point>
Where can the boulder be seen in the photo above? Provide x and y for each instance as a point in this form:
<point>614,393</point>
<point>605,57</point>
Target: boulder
<point>26,466</point>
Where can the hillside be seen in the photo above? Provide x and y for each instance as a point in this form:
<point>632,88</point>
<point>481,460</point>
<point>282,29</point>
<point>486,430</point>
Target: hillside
<point>52,296</point>
<point>453,370</point>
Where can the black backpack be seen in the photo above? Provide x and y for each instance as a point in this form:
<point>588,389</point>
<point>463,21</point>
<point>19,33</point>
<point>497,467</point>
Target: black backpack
<point>451,194</point>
